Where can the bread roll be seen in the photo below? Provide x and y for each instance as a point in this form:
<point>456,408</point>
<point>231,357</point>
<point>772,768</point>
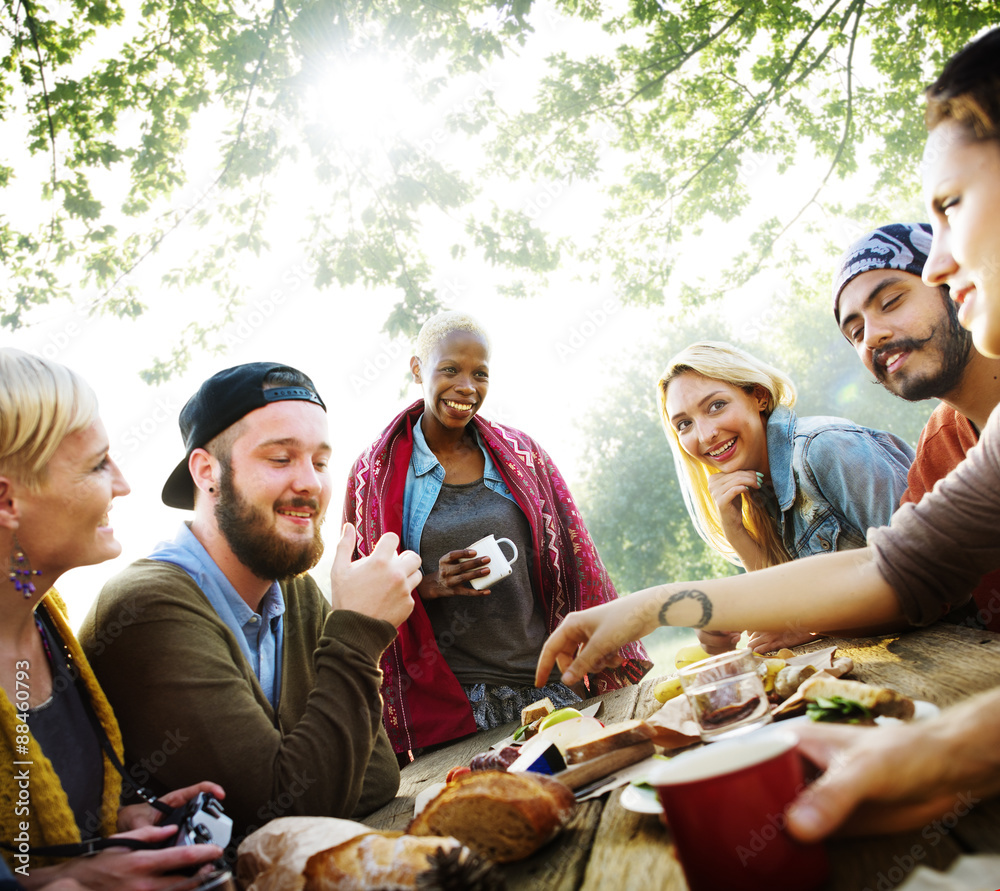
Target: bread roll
<point>272,858</point>
<point>502,816</point>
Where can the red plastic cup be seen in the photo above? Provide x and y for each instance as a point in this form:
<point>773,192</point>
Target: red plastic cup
<point>725,805</point>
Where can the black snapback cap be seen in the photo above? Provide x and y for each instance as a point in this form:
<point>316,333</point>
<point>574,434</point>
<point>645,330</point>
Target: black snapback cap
<point>219,403</point>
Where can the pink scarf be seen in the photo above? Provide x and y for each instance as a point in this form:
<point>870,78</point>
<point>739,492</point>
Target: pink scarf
<point>423,702</point>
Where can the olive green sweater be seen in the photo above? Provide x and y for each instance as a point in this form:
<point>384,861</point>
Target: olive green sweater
<point>191,709</point>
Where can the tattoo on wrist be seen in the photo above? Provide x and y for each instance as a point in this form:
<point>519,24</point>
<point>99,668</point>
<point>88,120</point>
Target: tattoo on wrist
<point>699,596</point>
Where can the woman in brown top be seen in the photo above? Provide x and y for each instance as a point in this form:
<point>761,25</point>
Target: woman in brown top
<point>928,559</point>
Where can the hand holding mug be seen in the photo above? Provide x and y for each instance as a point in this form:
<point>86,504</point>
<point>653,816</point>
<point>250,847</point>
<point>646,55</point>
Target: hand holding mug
<point>500,563</point>
<point>456,570</point>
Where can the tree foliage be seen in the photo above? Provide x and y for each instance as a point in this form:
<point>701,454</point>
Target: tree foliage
<point>698,96</point>
<point>259,75</point>
<point>669,121</point>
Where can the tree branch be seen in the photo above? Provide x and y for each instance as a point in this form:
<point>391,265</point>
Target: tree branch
<point>857,7</point>
<point>278,7</point>
<point>762,103</point>
<point>697,48</point>
<point>29,19</point>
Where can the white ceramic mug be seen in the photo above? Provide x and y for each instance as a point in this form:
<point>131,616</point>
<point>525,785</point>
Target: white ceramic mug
<point>499,566</point>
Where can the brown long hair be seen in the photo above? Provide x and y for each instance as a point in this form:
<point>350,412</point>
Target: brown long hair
<point>968,89</point>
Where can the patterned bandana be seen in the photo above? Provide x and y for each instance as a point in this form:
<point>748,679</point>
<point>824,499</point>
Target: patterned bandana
<point>902,246</point>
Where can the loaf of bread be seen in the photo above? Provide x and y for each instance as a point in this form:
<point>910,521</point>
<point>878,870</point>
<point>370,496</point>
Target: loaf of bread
<point>502,816</point>
<point>375,862</point>
<point>879,700</point>
<point>273,857</point>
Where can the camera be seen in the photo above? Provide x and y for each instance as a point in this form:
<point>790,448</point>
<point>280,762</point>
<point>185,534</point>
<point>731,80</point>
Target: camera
<point>201,821</point>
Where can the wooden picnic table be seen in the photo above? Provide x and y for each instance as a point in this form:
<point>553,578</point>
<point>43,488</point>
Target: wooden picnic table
<point>606,846</point>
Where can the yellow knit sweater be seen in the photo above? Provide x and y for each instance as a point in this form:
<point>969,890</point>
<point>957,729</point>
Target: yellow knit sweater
<point>50,818</point>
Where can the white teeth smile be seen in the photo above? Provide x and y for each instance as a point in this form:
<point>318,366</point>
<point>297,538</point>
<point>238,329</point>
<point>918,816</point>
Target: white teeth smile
<point>725,447</point>
<point>458,406</point>
<point>888,360</point>
<point>294,513</point>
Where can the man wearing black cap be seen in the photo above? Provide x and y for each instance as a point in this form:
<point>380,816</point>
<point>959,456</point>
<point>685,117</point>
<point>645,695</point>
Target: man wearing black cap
<point>219,655</point>
<point>908,336</point>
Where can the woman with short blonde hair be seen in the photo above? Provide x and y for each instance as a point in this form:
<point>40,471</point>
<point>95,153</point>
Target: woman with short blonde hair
<point>443,478</point>
<point>41,403</point>
<point>57,485</point>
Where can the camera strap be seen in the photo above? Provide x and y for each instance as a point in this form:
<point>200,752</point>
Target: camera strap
<point>84,848</point>
<point>102,736</point>
<point>92,846</point>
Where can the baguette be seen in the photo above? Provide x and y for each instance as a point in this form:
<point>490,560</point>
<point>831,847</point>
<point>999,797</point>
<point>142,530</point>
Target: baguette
<point>879,700</point>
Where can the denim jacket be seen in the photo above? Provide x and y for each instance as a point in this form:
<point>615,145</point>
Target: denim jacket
<point>832,480</point>
<point>424,477</point>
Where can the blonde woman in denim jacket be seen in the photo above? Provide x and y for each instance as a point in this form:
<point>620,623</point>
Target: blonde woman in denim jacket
<point>764,486</point>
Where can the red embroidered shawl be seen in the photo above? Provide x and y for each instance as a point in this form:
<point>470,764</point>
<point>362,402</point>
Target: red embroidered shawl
<point>423,702</point>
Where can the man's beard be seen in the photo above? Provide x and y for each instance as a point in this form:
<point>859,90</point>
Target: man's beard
<point>251,536</point>
<point>953,343</point>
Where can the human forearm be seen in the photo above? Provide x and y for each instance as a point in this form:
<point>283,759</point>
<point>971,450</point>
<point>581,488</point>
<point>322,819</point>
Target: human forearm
<point>750,553</point>
<point>814,594</point>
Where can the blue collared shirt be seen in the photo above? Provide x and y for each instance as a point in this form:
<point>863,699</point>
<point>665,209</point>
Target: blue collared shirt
<point>260,636</point>
<point>424,477</point>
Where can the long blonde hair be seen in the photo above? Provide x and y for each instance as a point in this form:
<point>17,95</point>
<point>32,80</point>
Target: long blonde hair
<point>724,362</point>
<point>41,403</point>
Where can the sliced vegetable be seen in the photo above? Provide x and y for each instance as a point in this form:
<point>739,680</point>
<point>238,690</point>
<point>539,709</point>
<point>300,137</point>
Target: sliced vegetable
<point>836,708</point>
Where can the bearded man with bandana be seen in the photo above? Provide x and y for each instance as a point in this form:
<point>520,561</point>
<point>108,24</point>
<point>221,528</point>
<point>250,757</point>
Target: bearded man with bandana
<point>907,335</point>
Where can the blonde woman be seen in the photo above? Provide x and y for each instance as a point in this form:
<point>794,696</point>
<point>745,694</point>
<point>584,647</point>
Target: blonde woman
<point>57,485</point>
<point>764,486</point>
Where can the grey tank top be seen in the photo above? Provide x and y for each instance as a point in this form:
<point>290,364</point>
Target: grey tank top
<point>494,639</point>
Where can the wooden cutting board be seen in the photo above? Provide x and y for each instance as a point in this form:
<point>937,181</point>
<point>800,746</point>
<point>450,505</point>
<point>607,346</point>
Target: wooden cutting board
<point>579,775</point>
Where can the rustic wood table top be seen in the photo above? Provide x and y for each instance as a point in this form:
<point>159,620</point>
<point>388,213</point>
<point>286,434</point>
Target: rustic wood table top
<point>606,846</point>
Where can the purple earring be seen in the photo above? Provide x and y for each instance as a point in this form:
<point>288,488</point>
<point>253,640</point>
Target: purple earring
<point>20,571</point>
